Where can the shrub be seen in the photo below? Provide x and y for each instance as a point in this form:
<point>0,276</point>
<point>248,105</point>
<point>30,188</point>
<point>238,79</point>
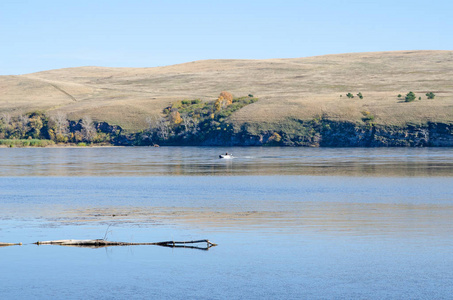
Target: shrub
<point>77,137</point>
<point>218,104</point>
<point>176,105</point>
<point>430,95</point>
<point>367,117</point>
<point>101,137</point>
<point>410,97</point>
<point>349,95</point>
<point>26,143</point>
<point>399,96</point>
<point>186,103</point>
<point>275,138</point>
<point>360,95</point>
<point>60,138</point>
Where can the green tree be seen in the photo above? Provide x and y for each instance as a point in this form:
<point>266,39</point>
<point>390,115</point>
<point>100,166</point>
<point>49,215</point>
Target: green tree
<point>35,124</point>
<point>360,95</point>
<point>349,95</point>
<point>22,126</point>
<point>430,95</point>
<point>410,97</point>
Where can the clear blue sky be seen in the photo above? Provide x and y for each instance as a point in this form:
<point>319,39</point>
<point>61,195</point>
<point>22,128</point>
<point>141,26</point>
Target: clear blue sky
<point>42,35</point>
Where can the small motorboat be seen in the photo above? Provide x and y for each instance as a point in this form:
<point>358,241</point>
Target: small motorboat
<point>226,156</point>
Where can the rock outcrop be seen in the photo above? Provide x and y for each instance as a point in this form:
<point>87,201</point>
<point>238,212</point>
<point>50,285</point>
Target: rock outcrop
<point>340,134</point>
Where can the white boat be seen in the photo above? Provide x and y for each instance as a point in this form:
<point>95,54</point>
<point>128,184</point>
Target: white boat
<point>226,156</point>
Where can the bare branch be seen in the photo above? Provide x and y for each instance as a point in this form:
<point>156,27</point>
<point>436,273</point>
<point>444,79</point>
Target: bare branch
<point>88,130</point>
<point>6,117</point>
<point>61,123</point>
<point>160,125</point>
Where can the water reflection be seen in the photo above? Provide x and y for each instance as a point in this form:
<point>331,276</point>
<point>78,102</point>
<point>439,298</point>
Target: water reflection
<point>356,219</point>
<point>165,246</point>
<point>176,161</point>
<point>296,237</point>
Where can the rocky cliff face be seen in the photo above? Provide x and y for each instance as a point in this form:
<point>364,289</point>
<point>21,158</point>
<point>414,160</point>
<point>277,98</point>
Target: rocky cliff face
<point>338,134</point>
<point>299,133</point>
<point>429,135</point>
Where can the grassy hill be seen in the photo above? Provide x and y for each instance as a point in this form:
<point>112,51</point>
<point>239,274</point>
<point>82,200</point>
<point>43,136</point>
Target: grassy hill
<point>302,88</point>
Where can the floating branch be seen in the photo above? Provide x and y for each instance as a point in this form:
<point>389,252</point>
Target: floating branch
<point>173,244</point>
<point>103,243</point>
<point>10,244</point>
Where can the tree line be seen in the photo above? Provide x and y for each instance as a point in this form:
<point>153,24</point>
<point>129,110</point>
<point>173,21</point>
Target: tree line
<point>57,127</point>
<point>190,122</point>
<point>183,122</point>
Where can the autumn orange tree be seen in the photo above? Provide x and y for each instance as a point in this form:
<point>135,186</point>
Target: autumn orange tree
<point>227,96</point>
<point>225,99</point>
<point>175,117</point>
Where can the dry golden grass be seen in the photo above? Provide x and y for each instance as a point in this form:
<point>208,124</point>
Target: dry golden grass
<point>301,87</point>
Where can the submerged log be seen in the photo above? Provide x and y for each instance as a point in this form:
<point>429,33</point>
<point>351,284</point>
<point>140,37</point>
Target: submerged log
<point>10,244</point>
<point>104,243</point>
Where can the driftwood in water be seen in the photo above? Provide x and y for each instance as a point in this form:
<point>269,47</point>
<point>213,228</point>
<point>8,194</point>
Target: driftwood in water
<point>10,244</point>
<point>104,243</point>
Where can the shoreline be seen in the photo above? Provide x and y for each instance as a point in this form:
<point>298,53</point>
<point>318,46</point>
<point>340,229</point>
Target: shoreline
<point>318,133</point>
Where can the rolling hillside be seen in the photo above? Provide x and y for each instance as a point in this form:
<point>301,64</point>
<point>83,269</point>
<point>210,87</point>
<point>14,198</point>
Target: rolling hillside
<point>303,88</point>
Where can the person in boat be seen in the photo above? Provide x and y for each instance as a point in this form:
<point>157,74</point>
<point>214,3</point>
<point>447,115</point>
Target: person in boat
<point>225,155</point>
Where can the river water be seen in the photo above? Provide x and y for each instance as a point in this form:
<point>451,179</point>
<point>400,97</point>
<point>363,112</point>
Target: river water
<point>290,223</point>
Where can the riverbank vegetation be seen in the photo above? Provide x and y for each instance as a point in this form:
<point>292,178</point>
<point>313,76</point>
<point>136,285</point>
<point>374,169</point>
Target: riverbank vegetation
<point>11,143</point>
<point>184,122</point>
<point>209,123</point>
<point>36,129</point>
<point>192,122</point>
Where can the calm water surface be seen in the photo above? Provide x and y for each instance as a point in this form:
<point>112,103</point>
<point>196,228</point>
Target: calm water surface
<point>145,161</point>
<point>290,223</point>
